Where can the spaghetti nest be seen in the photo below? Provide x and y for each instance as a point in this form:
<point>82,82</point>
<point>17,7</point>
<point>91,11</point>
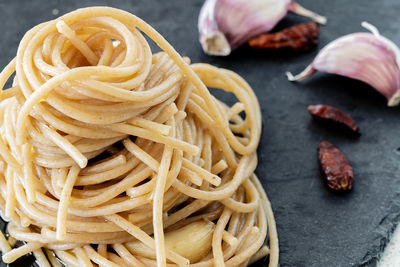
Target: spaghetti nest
<point>114,156</point>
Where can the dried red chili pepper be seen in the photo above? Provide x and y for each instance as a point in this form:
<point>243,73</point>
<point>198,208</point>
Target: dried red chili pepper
<point>338,170</point>
<point>300,37</point>
<point>334,116</point>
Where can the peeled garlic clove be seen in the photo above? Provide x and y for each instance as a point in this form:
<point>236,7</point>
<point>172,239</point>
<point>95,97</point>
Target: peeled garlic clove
<point>192,241</point>
<point>226,24</point>
<point>368,57</point>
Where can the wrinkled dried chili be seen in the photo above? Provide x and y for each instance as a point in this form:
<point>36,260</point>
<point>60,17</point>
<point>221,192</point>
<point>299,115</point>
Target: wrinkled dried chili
<point>335,116</point>
<point>300,37</point>
<point>337,169</point>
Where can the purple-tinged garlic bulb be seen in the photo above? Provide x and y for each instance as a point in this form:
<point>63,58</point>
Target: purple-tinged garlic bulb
<point>368,57</point>
<point>226,24</point>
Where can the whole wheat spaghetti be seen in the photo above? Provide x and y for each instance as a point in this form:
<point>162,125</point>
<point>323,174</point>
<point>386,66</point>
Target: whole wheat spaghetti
<point>114,156</point>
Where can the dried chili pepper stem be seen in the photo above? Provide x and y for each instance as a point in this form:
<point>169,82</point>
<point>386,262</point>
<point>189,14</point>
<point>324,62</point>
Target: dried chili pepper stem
<point>337,169</point>
<point>300,37</point>
<point>334,116</point>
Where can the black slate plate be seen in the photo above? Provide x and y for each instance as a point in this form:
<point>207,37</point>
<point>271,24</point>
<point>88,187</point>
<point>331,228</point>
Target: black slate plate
<point>316,226</point>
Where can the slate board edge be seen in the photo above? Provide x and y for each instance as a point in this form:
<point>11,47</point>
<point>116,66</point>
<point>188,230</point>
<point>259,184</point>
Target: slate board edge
<point>385,230</point>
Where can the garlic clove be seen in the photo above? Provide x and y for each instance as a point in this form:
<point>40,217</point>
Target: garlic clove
<point>368,57</point>
<point>211,38</point>
<point>193,241</point>
<point>224,25</point>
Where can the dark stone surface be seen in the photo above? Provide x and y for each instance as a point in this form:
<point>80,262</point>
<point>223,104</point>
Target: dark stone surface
<point>316,226</point>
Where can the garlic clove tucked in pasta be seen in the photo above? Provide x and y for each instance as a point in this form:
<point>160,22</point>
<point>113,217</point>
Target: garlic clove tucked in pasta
<point>192,241</point>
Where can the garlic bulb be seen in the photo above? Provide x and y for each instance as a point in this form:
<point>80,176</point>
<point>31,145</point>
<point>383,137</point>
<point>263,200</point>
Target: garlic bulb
<point>368,57</point>
<point>226,24</point>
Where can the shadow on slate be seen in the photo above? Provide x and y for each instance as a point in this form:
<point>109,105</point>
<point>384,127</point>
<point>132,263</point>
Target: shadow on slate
<point>316,227</point>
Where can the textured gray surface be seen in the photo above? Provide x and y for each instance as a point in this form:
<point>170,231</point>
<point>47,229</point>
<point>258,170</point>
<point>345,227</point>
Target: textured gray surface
<point>316,226</point>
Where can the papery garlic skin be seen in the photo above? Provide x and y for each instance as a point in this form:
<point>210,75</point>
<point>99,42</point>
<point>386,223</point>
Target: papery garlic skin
<point>242,19</point>
<point>226,24</point>
<point>368,57</point>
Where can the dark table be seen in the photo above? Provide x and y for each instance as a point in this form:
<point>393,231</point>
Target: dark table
<point>316,226</point>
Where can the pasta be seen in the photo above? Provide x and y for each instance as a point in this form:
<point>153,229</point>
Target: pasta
<point>113,156</point>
